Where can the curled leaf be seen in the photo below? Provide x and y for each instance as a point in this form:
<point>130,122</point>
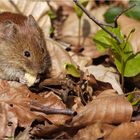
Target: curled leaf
<point>107,107</point>
<point>126,131</point>
<point>72,70</point>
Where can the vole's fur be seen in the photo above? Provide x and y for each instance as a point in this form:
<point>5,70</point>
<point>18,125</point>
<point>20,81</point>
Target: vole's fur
<point>22,47</point>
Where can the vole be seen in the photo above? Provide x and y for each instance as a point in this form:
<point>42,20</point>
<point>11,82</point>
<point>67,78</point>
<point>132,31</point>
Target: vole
<point>23,51</point>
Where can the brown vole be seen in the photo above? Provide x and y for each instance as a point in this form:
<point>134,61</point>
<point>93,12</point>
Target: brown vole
<point>23,52</point>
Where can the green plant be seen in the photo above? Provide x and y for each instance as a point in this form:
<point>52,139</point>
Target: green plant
<point>127,63</point>
<point>79,14</point>
<point>52,16</point>
<point>111,13</point>
<point>72,70</point>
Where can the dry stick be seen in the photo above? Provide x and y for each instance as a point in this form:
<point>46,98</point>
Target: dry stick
<point>116,18</point>
<point>101,24</point>
<point>35,106</point>
<point>97,22</point>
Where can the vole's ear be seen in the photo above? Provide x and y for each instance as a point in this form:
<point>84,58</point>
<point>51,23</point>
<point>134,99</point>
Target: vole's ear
<point>31,21</point>
<point>9,29</point>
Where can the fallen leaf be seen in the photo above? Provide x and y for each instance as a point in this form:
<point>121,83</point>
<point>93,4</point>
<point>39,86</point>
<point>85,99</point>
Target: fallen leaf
<point>15,107</point>
<point>24,135</point>
<point>126,131</point>
<point>68,31</point>
<point>94,132</point>
<point>106,74</point>
<point>28,7</point>
<point>81,60</point>
<point>8,121</point>
<point>127,24</point>
<point>59,58</point>
<point>108,107</point>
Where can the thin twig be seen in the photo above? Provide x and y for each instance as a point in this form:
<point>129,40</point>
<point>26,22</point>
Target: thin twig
<point>97,22</point>
<point>35,106</point>
<point>116,18</point>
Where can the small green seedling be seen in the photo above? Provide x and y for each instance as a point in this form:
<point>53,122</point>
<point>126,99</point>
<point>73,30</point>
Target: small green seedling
<point>52,16</point>
<point>131,99</point>
<point>72,70</point>
<point>127,63</point>
<point>79,14</point>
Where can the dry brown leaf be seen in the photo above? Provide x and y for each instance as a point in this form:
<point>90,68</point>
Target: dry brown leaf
<point>29,7</point>
<point>8,121</point>
<point>107,107</point>
<point>81,61</point>
<point>70,27</point>
<point>127,24</point>
<point>69,31</point>
<point>59,57</point>
<point>25,135</point>
<point>94,132</point>
<point>66,5</point>
<point>18,99</point>
<point>126,131</point>
<point>106,74</point>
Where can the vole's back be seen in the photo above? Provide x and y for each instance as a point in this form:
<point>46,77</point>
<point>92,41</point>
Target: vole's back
<point>16,18</point>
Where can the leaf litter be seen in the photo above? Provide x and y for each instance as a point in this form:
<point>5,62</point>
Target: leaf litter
<point>76,102</point>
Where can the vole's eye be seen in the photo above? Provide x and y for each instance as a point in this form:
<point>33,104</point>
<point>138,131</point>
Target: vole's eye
<point>27,53</point>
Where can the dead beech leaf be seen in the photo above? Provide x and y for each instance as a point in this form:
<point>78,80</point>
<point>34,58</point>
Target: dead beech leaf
<point>25,135</point>
<point>94,131</point>
<point>105,74</point>
<point>59,57</point>
<point>70,27</point>
<point>108,107</point>
<point>126,131</point>
<point>81,61</point>
<point>127,24</point>
<point>18,98</point>
<point>30,7</point>
<point>8,121</point>
<point>68,32</point>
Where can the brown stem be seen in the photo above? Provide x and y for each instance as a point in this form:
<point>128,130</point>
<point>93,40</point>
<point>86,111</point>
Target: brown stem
<point>97,22</point>
<point>116,18</point>
<point>79,32</point>
<point>35,106</point>
<point>101,24</point>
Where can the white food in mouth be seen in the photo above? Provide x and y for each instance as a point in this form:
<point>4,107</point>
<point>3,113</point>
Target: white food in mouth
<point>30,79</point>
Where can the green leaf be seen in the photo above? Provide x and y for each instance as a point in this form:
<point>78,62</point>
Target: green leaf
<point>72,70</point>
<point>134,12</point>
<point>134,103</point>
<point>51,14</point>
<point>51,30</point>
<point>130,97</point>
<point>103,40</point>
<point>111,13</point>
<point>132,67</point>
<point>122,52</point>
<point>78,11</point>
